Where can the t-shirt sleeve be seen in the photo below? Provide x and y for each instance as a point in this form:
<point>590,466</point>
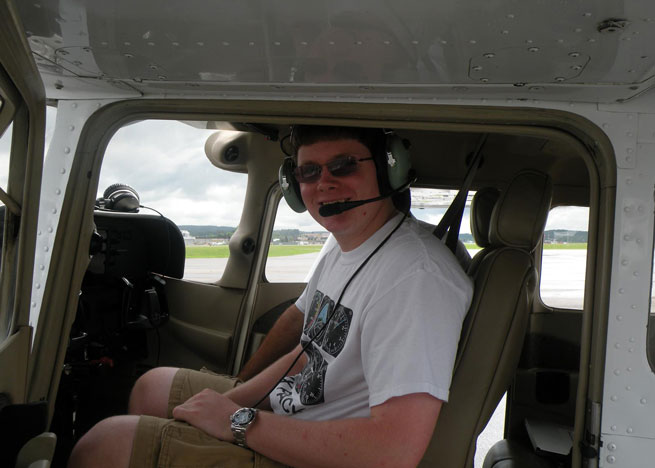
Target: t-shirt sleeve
<point>410,336</point>
<point>300,302</point>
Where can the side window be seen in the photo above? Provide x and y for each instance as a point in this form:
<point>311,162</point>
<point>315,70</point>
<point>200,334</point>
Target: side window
<point>650,340</point>
<point>165,164</point>
<point>5,149</point>
<point>297,239</point>
<point>429,206</point>
<point>295,246</point>
<point>564,257</point>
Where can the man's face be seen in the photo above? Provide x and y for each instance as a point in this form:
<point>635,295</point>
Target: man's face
<point>352,227</point>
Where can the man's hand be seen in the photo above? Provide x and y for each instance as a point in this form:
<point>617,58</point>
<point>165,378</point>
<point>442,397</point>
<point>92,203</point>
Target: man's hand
<point>209,411</point>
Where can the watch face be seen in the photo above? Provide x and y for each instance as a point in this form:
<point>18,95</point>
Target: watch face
<point>243,416</point>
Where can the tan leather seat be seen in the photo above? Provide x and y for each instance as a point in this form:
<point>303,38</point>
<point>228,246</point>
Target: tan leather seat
<point>482,206</point>
<point>494,329</point>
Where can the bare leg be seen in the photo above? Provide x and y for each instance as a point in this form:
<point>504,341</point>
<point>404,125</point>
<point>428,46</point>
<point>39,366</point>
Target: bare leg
<point>150,393</point>
<point>107,445</point>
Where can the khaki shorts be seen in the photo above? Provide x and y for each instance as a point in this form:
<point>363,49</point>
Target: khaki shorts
<point>163,443</point>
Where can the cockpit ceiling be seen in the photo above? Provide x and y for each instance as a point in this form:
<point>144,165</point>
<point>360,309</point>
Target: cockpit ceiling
<point>563,50</point>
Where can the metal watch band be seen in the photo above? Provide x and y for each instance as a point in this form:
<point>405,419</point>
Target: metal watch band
<point>239,426</point>
<point>239,433</point>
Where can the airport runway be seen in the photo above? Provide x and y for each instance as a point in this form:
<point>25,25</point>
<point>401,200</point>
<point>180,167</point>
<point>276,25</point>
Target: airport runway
<point>562,279</point>
<point>562,285</point>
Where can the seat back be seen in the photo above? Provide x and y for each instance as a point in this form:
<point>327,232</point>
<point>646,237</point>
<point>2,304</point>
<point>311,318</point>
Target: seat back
<point>494,328</point>
<point>482,206</point>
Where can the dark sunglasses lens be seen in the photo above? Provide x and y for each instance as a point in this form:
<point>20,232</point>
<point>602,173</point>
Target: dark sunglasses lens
<point>307,172</point>
<point>342,166</point>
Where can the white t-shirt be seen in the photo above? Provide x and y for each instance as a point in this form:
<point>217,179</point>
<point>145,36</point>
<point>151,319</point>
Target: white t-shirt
<point>395,330</point>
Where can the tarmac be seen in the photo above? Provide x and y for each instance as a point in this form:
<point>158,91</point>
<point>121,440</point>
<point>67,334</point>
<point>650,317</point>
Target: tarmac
<point>562,274</point>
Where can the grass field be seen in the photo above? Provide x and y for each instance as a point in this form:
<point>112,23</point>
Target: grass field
<point>222,251</point>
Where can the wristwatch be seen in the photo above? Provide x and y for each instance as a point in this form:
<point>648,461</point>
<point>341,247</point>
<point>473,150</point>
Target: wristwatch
<point>240,420</point>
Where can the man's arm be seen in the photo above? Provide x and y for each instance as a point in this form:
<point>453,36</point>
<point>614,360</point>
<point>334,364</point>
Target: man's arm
<point>396,434</point>
<point>282,338</point>
<point>249,393</point>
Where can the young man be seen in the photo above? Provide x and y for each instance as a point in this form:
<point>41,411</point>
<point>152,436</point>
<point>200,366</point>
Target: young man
<point>382,317</point>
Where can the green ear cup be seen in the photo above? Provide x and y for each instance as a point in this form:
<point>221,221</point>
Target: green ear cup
<point>290,187</point>
<point>398,162</point>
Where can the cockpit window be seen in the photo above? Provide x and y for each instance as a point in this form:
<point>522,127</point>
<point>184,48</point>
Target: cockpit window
<point>5,149</point>
<point>159,168</point>
<point>5,143</point>
<point>650,340</point>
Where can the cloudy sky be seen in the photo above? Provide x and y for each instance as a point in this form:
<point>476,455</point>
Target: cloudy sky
<point>165,162</point>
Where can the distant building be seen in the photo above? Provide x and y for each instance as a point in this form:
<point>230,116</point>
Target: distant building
<point>188,238</point>
<point>313,238</point>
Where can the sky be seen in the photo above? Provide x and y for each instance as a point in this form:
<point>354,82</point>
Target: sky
<point>165,162</point>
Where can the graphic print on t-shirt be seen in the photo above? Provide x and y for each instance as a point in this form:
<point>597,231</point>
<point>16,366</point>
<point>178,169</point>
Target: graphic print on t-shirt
<point>308,387</point>
<point>318,314</point>
<point>311,383</point>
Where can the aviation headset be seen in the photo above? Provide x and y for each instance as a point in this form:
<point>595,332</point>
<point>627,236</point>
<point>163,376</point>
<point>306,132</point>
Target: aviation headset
<point>119,197</point>
<point>392,166</point>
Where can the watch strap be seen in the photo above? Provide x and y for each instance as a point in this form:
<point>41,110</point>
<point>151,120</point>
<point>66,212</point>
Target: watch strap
<point>239,429</point>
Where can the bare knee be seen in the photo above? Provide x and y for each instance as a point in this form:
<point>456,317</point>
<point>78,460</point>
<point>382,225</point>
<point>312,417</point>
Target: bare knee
<point>107,444</point>
<point>150,393</point>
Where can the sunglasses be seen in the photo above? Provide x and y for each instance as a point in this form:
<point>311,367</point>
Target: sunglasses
<point>338,167</point>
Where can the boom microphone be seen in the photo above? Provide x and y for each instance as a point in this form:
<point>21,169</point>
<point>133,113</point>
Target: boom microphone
<point>338,208</point>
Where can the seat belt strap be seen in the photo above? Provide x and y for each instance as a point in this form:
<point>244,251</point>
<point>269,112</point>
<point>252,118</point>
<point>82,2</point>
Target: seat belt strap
<point>452,219</point>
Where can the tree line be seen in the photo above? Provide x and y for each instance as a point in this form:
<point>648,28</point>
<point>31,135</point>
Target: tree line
<point>292,235</point>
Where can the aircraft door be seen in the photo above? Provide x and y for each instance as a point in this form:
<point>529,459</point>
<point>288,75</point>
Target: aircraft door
<point>22,121</point>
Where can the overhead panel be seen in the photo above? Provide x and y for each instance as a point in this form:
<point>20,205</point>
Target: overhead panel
<point>565,50</point>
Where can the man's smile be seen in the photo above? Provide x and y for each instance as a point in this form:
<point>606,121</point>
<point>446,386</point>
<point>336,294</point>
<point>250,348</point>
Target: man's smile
<point>324,203</point>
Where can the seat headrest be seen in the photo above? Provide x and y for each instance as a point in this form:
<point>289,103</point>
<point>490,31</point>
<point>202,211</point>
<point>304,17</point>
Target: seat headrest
<point>519,217</point>
<point>482,206</point>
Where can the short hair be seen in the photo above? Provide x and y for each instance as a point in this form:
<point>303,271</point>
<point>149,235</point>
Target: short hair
<point>372,138</point>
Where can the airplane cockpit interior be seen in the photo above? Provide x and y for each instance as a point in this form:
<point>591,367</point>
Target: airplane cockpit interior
<point>138,310</point>
<point>148,217</point>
